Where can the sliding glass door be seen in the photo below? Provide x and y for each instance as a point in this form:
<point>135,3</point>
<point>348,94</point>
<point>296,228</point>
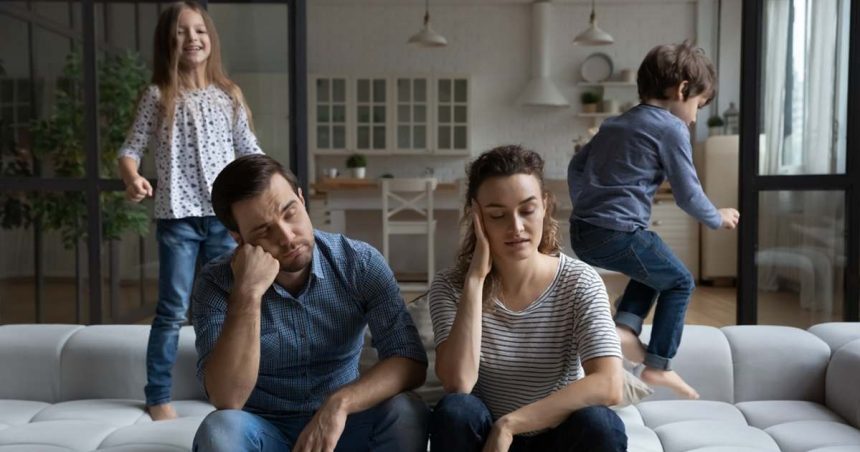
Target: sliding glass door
<point>799,164</point>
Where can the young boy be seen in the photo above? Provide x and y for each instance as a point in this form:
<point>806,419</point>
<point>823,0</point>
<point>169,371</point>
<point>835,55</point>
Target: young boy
<point>612,182</point>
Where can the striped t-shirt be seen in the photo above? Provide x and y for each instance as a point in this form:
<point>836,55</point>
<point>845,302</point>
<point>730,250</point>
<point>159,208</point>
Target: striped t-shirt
<point>529,354</point>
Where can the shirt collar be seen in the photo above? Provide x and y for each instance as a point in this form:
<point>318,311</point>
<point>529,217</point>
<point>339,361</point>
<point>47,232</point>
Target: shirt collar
<point>316,262</point>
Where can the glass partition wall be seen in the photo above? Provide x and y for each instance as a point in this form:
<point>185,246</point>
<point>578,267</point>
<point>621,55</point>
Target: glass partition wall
<point>70,74</point>
<point>799,163</point>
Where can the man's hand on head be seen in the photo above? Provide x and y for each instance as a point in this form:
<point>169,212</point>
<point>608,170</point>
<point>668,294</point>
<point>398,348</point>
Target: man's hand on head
<point>254,270</point>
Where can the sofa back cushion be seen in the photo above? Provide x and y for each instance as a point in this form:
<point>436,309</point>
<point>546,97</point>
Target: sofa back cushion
<point>109,361</point>
<point>704,359</point>
<point>843,382</point>
<point>836,334</point>
<point>777,363</point>
<point>30,361</point>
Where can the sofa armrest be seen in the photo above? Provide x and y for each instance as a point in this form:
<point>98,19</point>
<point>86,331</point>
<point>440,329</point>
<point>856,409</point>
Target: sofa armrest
<point>841,387</point>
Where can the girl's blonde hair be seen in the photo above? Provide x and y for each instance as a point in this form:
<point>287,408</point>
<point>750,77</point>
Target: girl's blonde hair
<point>501,162</point>
<point>165,73</point>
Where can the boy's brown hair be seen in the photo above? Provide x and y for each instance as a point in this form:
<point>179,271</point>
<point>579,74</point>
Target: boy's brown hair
<point>667,65</point>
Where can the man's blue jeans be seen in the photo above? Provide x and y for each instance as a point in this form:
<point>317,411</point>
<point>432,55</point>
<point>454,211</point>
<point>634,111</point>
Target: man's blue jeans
<point>461,422</point>
<point>397,425</point>
<point>656,275</point>
<point>181,243</point>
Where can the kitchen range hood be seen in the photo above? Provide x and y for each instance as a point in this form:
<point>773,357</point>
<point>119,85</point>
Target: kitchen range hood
<point>540,90</point>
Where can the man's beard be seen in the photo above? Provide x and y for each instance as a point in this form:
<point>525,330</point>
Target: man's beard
<point>300,261</point>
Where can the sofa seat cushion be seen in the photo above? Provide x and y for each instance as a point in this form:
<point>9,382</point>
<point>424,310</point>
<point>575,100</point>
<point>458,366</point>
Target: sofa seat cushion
<point>629,415</point>
<point>19,412</point>
<point>728,449</point>
<point>106,411</point>
<point>177,434</point>
<point>34,448</point>
<point>836,449</point>
<point>75,435</point>
<point>116,425</point>
<point>803,436</point>
<point>659,413</point>
<point>642,439</point>
<point>767,413</point>
<point>690,435</point>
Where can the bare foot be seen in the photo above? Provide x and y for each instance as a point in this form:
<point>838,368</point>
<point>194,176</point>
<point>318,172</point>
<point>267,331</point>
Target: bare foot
<point>162,412</point>
<point>670,379</point>
<point>631,347</point>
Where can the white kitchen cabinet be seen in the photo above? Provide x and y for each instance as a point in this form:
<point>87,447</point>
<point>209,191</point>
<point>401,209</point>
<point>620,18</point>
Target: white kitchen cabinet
<point>679,230</point>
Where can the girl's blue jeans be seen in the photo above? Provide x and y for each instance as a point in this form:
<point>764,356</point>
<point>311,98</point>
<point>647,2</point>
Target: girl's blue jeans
<point>656,276</point>
<point>181,243</point>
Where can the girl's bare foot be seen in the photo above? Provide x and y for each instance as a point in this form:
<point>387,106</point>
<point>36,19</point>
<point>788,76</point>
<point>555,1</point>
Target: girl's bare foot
<point>631,347</point>
<point>161,412</point>
<point>670,379</point>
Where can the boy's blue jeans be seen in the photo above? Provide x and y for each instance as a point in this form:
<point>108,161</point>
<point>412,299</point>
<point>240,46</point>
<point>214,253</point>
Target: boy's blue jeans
<point>461,422</point>
<point>656,275</point>
<point>180,243</point>
<point>397,425</point>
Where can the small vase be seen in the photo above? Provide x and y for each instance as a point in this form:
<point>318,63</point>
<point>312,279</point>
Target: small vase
<point>589,108</point>
<point>714,131</point>
<point>358,173</point>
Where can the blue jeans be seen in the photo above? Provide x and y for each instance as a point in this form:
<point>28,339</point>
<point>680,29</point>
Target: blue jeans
<point>181,243</point>
<point>461,422</point>
<point>656,276</point>
<point>398,424</point>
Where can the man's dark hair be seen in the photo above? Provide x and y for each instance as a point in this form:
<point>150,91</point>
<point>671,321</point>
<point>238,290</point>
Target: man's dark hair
<point>666,66</point>
<point>244,178</point>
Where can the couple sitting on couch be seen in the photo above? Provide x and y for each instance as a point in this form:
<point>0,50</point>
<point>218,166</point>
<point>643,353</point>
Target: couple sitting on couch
<point>526,346</point>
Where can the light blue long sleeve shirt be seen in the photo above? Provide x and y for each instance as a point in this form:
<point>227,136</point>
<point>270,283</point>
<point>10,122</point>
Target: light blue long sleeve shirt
<point>613,179</point>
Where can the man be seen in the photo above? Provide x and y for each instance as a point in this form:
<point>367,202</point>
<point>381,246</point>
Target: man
<point>280,326</point>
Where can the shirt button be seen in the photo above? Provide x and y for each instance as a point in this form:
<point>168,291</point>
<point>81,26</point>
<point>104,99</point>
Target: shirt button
<point>302,334</point>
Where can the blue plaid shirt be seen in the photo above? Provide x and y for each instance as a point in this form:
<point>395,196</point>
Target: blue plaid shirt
<point>310,344</point>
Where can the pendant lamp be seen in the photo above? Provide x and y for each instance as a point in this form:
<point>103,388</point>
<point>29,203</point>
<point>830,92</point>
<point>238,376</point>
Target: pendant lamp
<point>427,37</point>
<point>593,36</point>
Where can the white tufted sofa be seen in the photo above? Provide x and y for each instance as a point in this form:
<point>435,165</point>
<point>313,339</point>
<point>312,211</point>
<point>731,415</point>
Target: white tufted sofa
<point>764,388</point>
<point>76,388</point>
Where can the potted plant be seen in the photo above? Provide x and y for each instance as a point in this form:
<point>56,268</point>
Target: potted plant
<point>358,164</point>
<point>715,125</point>
<point>589,100</point>
<point>59,142</point>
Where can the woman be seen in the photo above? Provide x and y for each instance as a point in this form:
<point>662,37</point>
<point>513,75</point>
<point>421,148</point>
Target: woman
<point>514,319</point>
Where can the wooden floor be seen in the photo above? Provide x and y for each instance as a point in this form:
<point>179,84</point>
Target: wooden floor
<point>714,306</point>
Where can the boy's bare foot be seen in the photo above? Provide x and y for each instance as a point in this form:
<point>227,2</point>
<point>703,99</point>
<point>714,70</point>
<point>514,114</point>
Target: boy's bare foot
<point>670,379</point>
<point>162,412</point>
<point>631,347</point>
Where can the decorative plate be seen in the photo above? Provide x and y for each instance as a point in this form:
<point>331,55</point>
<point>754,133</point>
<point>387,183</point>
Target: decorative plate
<point>596,68</point>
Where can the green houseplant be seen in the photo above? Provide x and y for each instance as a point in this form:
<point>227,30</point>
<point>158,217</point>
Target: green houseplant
<point>715,125</point>
<point>358,164</point>
<point>589,100</point>
<point>59,141</point>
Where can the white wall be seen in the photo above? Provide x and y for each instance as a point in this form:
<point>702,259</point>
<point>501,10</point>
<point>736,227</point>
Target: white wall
<point>730,55</point>
<point>490,41</point>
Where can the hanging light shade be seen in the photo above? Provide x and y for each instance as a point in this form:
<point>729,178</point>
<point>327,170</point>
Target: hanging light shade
<point>593,36</point>
<point>427,37</point>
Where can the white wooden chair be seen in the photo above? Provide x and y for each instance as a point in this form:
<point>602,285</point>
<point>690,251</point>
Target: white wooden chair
<point>400,196</point>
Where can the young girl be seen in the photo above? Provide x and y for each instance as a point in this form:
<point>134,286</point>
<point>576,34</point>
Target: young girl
<point>198,122</point>
<point>513,321</point>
